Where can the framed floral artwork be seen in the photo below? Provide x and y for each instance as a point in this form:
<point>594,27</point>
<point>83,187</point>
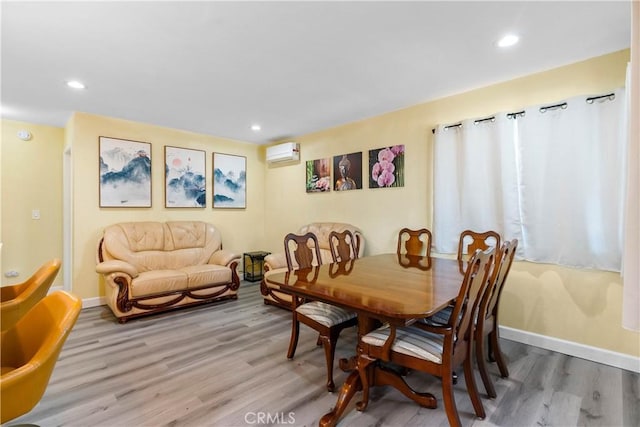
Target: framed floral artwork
<point>318,175</point>
<point>229,181</point>
<point>347,172</point>
<point>185,178</point>
<point>125,173</point>
<point>386,167</point>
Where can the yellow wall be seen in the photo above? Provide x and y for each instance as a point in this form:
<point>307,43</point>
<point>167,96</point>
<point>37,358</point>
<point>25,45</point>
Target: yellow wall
<point>31,179</point>
<point>579,306</point>
<point>242,229</point>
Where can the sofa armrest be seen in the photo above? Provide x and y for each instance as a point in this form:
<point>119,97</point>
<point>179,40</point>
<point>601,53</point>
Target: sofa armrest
<point>116,266</point>
<point>275,261</point>
<point>223,257</point>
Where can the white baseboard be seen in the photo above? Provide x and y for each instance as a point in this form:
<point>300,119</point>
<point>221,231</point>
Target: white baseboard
<point>595,354</point>
<point>93,302</point>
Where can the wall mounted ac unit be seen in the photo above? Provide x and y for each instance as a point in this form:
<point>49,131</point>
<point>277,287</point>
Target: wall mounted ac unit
<point>286,152</point>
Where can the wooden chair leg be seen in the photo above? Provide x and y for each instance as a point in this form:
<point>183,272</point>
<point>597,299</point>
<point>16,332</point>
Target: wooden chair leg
<point>472,389</point>
<point>482,367</point>
<point>449,400</point>
<point>494,339</point>
<point>295,333</point>
<point>329,344</point>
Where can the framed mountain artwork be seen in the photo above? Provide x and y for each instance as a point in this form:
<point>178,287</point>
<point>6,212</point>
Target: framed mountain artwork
<point>229,181</point>
<point>125,173</point>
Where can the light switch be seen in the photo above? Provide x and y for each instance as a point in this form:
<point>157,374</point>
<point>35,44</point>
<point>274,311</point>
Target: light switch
<point>35,214</point>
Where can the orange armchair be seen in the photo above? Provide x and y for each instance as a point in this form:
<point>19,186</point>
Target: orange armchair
<point>16,300</point>
<point>29,351</point>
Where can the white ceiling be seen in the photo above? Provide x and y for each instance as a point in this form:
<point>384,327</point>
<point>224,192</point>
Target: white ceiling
<point>293,67</point>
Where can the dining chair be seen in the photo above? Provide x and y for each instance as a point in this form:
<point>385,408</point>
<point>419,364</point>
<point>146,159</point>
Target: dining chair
<point>471,240</point>
<point>30,349</point>
<point>342,245</point>
<point>414,242</point>
<point>487,321</point>
<point>435,350</point>
<point>327,319</point>
<point>17,300</point>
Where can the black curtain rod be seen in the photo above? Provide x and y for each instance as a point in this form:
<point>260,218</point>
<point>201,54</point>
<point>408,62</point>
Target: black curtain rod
<point>562,105</point>
<point>488,119</point>
<point>457,125</point>
<point>610,96</point>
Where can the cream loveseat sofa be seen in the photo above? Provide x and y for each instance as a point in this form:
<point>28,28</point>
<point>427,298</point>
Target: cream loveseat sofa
<point>150,267</point>
<point>277,262</point>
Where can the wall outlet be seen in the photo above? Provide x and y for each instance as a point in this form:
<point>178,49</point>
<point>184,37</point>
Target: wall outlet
<point>35,214</point>
<point>11,273</point>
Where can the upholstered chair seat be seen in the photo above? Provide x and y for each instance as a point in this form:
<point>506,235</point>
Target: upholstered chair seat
<point>411,341</point>
<point>325,314</point>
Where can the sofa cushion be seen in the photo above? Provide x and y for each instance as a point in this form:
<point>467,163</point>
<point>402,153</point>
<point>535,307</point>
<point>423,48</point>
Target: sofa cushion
<point>154,245</point>
<point>158,281</point>
<point>203,275</point>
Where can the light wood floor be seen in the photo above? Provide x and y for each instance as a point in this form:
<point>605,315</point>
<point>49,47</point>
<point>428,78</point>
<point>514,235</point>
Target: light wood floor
<point>225,365</point>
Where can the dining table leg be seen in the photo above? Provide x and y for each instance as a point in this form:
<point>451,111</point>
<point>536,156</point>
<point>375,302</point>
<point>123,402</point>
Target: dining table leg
<point>352,384</point>
<point>350,387</point>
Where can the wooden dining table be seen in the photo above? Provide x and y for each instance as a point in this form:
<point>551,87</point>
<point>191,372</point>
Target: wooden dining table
<point>397,289</point>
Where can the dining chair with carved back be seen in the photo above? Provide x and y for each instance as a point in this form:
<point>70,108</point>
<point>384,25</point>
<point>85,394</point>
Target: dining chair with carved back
<point>471,240</point>
<point>487,321</point>
<point>435,350</point>
<point>327,319</point>
<point>414,242</point>
<point>343,246</point>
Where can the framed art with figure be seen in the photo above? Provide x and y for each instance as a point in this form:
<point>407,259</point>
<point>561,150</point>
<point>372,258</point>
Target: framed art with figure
<point>185,178</point>
<point>347,172</point>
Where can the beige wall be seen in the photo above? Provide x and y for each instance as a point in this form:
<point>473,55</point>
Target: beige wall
<point>579,306</point>
<point>31,179</point>
<point>242,229</point>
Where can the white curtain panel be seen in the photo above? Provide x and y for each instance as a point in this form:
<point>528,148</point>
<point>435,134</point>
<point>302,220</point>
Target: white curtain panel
<point>552,180</point>
<point>475,181</point>
<point>571,176</point>
<point>631,270</point>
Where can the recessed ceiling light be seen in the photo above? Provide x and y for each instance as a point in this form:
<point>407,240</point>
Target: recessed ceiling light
<point>255,128</point>
<point>508,40</point>
<point>76,84</point>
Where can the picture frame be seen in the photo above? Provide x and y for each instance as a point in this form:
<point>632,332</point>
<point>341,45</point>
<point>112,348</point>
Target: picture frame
<point>386,167</point>
<point>124,173</point>
<point>185,178</point>
<point>347,173</point>
<point>318,175</point>
<point>229,181</point>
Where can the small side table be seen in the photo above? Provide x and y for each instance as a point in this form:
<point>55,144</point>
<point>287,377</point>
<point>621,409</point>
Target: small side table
<point>254,265</point>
